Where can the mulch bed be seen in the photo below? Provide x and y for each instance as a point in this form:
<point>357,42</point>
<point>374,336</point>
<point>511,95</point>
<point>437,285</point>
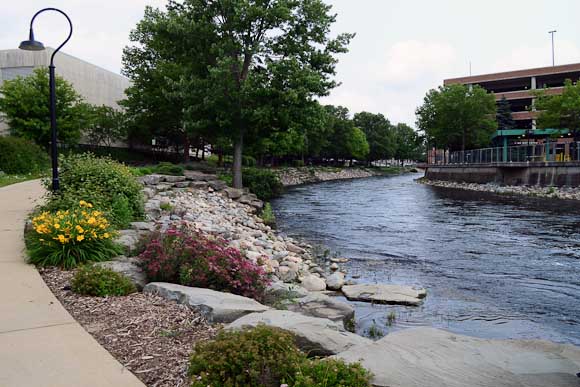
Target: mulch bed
<point>149,335</point>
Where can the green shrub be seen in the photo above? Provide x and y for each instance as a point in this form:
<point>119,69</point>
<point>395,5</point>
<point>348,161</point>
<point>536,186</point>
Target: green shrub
<point>100,181</point>
<point>20,156</point>
<point>91,280</point>
<point>72,237</point>
<point>331,373</point>
<point>262,182</point>
<point>259,357</point>
<point>267,357</point>
<point>166,168</point>
<point>298,163</point>
<point>268,215</point>
<point>248,161</point>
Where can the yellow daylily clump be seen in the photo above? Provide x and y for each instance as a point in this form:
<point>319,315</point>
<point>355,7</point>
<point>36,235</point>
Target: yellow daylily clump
<point>79,225</point>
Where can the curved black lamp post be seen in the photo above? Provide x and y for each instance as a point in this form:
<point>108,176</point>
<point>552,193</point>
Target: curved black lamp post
<point>34,45</point>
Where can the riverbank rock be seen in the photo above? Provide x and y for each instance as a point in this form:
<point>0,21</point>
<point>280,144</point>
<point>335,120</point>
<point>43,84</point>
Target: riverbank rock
<point>313,283</point>
<point>129,267</point>
<point>323,306</point>
<point>384,294</point>
<point>215,306</point>
<point>287,291</point>
<point>428,357</point>
<point>335,281</point>
<point>315,336</point>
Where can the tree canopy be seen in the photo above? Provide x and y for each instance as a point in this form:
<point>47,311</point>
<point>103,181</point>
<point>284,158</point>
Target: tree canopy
<point>503,116</point>
<point>379,134</point>
<point>458,116</point>
<point>24,102</point>
<point>242,69</point>
<point>560,111</point>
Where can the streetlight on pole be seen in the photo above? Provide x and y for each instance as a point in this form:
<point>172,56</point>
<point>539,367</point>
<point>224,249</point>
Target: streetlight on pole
<point>33,45</point>
<point>552,33</point>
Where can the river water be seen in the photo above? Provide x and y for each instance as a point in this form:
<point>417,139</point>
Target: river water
<point>493,266</point>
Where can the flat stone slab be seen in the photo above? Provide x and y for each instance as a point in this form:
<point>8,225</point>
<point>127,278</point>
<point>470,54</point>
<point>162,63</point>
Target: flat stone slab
<point>384,294</point>
<point>323,306</point>
<point>129,267</point>
<point>215,306</point>
<point>316,336</point>
<point>429,357</point>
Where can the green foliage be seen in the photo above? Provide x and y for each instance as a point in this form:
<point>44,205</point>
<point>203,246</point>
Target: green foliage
<point>20,156</point>
<point>391,318</point>
<point>165,168</point>
<point>560,111</point>
<point>357,145</point>
<point>408,144</point>
<point>267,357</point>
<point>379,134</point>
<point>97,281</point>
<point>100,181</point>
<point>259,357</point>
<point>106,126</point>
<point>262,182</point>
<point>458,117</point>
<point>268,215</point>
<point>166,206</point>
<point>24,102</point>
<point>503,116</point>
<point>331,373</point>
<point>374,332</point>
<point>251,71</point>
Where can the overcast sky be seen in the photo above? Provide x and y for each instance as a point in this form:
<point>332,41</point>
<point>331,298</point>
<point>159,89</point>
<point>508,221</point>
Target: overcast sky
<point>402,47</point>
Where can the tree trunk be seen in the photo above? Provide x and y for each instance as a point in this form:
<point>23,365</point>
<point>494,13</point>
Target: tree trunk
<point>202,150</point>
<point>186,149</point>
<point>237,167</point>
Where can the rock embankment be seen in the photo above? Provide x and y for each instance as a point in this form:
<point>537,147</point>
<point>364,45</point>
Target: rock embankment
<point>307,175</point>
<point>568,193</point>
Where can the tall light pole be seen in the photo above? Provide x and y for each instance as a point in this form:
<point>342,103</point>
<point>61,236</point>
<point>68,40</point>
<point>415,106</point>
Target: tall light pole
<point>33,45</point>
<point>552,33</point>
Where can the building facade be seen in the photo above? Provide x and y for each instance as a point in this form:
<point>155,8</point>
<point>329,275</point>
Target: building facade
<point>517,87</point>
<point>97,85</point>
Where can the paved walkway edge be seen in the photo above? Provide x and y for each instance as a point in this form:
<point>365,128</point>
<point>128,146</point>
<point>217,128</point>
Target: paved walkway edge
<point>40,343</point>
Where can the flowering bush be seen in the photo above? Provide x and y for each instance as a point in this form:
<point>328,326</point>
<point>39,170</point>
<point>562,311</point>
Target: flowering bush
<point>192,259</point>
<point>68,238</point>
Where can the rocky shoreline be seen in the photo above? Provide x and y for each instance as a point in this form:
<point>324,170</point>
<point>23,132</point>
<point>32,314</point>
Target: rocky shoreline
<point>306,175</point>
<point>566,193</point>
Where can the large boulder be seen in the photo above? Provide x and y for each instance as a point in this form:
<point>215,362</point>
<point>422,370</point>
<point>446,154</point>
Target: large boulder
<point>335,281</point>
<point>215,306</point>
<point>129,267</point>
<point>316,336</point>
<point>280,289</point>
<point>384,294</point>
<point>323,306</point>
<point>428,357</point>
<point>313,283</point>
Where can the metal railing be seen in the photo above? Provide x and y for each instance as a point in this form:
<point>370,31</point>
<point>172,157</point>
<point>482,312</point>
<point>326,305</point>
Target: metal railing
<point>550,151</point>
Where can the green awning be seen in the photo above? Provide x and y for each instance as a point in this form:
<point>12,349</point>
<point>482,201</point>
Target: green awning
<point>535,132</point>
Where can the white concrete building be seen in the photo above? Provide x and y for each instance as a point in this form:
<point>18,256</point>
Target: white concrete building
<point>97,85</point>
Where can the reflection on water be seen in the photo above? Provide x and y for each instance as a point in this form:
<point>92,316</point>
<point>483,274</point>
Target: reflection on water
<point>494,266</point>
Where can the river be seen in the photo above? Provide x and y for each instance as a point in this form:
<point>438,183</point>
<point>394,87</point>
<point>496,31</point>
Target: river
<point>493,266</point>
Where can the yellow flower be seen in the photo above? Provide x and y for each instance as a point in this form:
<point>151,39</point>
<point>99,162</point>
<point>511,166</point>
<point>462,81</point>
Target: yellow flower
<point>57,226</point>
<point>79,229</point>
<point>82,203</point>
<point>61,238</point>
<point>91,220</point>
<point>106,235</point>
<point>89,205</point>
<point>80,238</point>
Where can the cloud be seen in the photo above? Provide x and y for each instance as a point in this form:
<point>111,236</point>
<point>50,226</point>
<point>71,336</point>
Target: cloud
<point>527,56</point>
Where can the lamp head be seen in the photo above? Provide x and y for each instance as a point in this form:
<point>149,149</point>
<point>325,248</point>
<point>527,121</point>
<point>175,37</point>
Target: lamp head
<point>31,44</point>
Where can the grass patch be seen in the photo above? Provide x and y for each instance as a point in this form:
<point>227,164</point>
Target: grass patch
<point>13,179</point>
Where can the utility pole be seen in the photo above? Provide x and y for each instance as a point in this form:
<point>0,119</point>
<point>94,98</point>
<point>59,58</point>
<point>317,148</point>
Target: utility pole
<point>552,33</point>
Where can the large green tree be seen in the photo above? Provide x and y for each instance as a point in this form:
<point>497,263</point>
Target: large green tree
<point>408,143</point>
<point>24,106</point>
<point>379,135</point>
<point>458,116</point>
<point>106,126</point>
<point>241,68</point>
<point>560,111</point>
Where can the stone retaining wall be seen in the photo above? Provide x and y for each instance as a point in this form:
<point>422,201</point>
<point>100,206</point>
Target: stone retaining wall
<point>297,176</point>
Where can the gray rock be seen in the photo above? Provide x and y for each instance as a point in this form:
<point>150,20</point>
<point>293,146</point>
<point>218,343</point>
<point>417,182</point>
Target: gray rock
<point>428,357</point>
<point>283,290</point>
<point>294,249</point>
<point>313,283</point>
<point>279,256</point>
<point>323,306</point>
<point>286,274</point>
<point>384,294</point>
<point>335,281</point>
<point>146,226</point>
<point>150,179</point>
<point>198,176</point>
<point>316,336</point>
<point>182,184</point>
<point>233,193</point>
<point>199,185</point>
<point>334,266</point>
<point>215,306</point>
<point>217,185</point>
<point>129,267</point>
<point>149,192</point>
<point>173,179</point>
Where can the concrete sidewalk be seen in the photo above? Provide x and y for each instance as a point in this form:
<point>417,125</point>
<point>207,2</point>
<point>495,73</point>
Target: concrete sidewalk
<point>40,343</point>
